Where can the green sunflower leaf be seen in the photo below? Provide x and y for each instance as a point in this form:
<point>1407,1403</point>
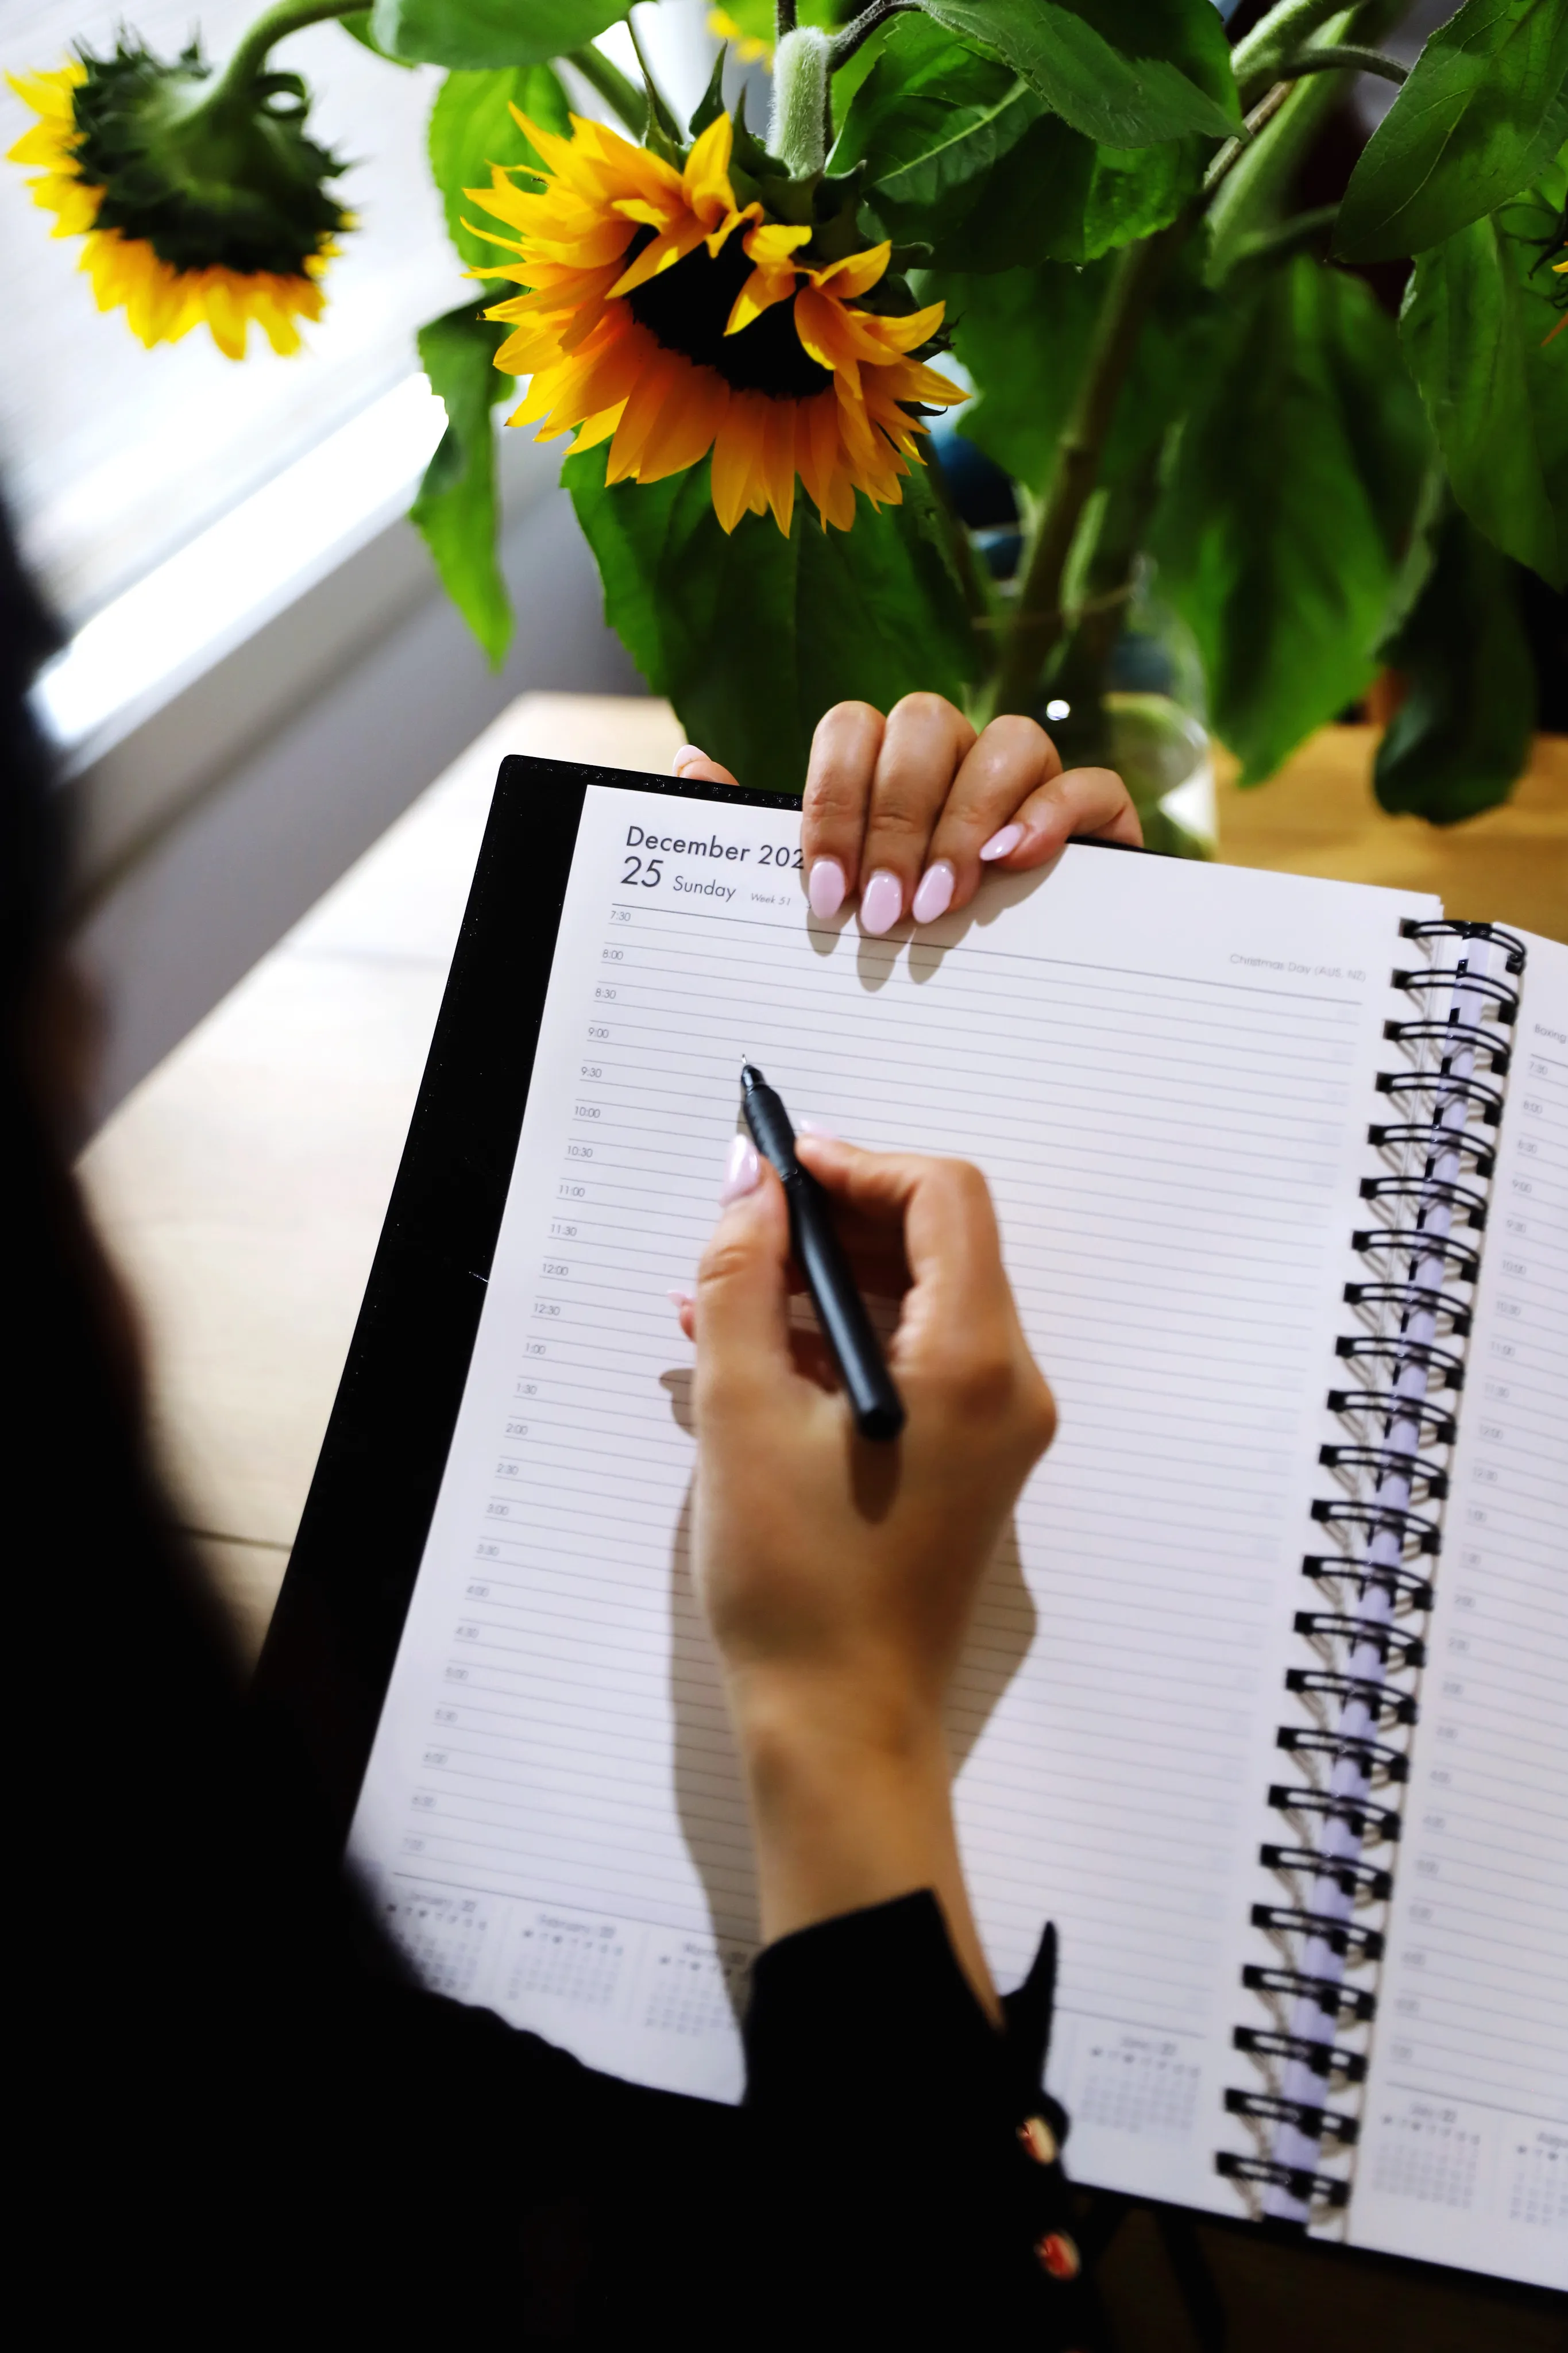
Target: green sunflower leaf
<point>1127,73</point>
<point>1291,499</point>
<point>1461,738</point>
<point>961,155</point>
<point>471,127</point>
<point>1484,109</point>
<point>755,636</point>
<point>1024,336</point>
<point>1477,316</point>
<point>358,25</point>
<point>930,119</point>
<point>1056,196</point>
<point>474,33</point>
<point>456,512</point>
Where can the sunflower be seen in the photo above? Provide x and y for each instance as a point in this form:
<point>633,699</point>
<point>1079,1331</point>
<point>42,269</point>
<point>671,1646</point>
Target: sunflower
<point>667,318</point>
<point>188,213</point>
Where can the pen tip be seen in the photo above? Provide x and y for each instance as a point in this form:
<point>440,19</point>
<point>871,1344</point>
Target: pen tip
<point>749,1074</point>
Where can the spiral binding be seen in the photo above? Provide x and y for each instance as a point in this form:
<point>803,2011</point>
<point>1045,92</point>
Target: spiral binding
<point>1334,1863</point>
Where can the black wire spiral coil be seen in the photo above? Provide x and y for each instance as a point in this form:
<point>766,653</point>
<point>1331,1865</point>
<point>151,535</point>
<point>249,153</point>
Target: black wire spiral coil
<point>1388,1518</point>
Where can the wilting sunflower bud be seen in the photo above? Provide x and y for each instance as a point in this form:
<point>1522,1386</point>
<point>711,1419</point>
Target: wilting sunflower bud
<point>197,199</point>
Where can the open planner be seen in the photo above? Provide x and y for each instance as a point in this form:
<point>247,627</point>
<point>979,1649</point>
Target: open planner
<point>1264,1703</point>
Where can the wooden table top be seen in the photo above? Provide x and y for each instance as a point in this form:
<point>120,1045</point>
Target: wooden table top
<point>242,1185</point>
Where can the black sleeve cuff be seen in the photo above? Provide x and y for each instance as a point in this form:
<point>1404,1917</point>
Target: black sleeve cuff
<point>903,2136</point>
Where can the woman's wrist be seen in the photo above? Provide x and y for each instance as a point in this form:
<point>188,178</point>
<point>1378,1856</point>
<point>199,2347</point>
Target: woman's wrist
<point>850,1791</point>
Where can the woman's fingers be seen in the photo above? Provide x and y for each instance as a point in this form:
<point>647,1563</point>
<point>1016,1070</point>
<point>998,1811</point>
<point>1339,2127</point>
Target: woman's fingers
<point>698,769</point>
<point>1012,760</point>
<point>907,811</point>
<point>741,1306</point>
<point>837,794</point>
<point>1092,801</point>
<point>941,1211</point>
<point>924,746</point>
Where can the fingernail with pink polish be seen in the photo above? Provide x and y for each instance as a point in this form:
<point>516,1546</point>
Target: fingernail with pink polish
<point>815,1127</point>
<point>825,887</point>
<point>680,1299</point>
<point>1001,843</point>
<point>742,1171</point>
<point>934,895</point>
<point>684,757</point>
<point>881,903</point>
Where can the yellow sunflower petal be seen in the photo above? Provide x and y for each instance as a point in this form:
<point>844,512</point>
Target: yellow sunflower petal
<point>706,178</point>
<point>655,385</point>
<point>689,418</point>
<point>816,446</point>
<point>925,384</point>
<point>906,334</point>
<point>762,290</point>
<point>662,253</point>
<point>74,204</point>
<point>41,144</point>
<point>49,93</point>
<point>856,273</point>
<point>716,238</point>
<point>778,462</point>
<point>553,150</point>
<point>737,455</point>
<point>594,429</point>
<point>771,246</point>
<point>228,321</point>
<point>829,335</point>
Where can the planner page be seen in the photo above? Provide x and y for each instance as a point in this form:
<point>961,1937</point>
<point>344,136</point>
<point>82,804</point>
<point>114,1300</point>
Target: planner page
<point>1464,2150</point>
<point>1165,1071</point>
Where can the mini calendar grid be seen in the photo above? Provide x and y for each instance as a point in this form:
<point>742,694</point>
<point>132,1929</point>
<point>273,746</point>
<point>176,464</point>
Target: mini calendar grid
<point>1538,2186</point>
<point>576,1963</point>
<point>444,1937</point>
<point>694,1991</point>
<point>1430,2158</point>
<point>1132,2088</point>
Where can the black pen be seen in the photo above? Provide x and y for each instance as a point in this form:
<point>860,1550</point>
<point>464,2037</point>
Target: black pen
<point>878,1408</point>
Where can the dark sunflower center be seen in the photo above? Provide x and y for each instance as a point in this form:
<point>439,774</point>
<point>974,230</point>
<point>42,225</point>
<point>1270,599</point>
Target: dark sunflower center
<point>686,309</point>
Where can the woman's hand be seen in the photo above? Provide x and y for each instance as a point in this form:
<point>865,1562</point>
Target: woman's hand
<point>838,1575</point>
<point>908,810</point>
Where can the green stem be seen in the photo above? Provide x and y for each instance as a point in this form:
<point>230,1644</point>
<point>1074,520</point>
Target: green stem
<point>272,27</point>
<point>861,28</point>
<point>1243,203</point>
<point>1347,54</point>
<point>1256,60</point>
<point>1226,158</point>
<point>1038,620</point>
<point>798,126</point>
<point>1257,180</point>
<point>618,91</point>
